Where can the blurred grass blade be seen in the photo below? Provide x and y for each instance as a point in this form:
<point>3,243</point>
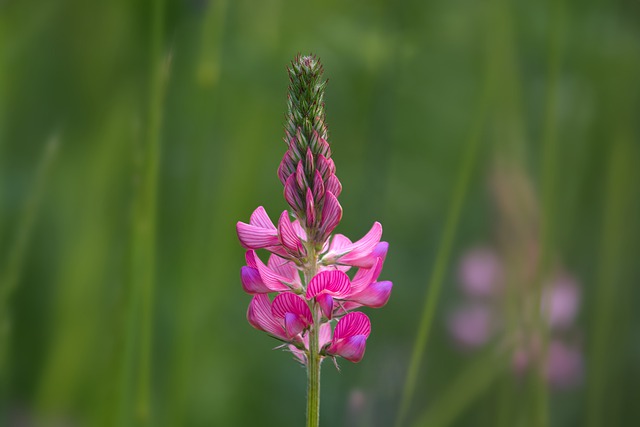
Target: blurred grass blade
<point>548,194</point>
<point>621,171</point>
<point>12,268</point>
<point>443,256</point>
<point>470,383</point>
<point>143,239</point>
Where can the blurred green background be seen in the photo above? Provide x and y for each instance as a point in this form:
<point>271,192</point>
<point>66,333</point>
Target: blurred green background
<point>134,134</point>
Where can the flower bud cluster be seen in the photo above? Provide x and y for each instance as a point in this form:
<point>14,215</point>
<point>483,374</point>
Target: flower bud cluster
<point>307,171</point>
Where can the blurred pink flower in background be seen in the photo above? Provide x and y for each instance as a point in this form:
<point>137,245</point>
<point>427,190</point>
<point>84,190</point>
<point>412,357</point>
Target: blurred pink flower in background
<point>482,316</point>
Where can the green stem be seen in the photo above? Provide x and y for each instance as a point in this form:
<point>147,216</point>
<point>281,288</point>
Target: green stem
<point>313,373</point>
<point>313,359</point>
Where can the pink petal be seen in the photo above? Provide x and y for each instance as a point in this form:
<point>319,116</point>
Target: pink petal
<point>252,282</point>
<point>357,253</point>
<point>309,162</point>
<point>285,268</point>
<point>311,211</point>
<point>291,193</point>
<point>288,302</point>
<point>260,317</point>
<point>354,323</point>
<point>375,295</point>
<point>331,214</point>
<point>318,186</point>
<point>324,335</point>
<point>260,218</point>
<point>299,230</point>
<point>293,324</point>
<point>260,231</point>
<point>338,243</point>
<point>249,257</point>
<point>351,348</point>
<point>285,169</point>
<point>301,179</point>
<point>288,235</point>
<point>365,276</point>
<point>253,237</point>
<point>322,166</point>
<point>333,185</point>
<point>272,280</point>
<point>333,282</point>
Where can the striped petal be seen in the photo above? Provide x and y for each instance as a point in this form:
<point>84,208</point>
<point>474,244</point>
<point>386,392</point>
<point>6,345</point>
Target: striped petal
<point>259,233</point>
<point>271,279</point>
<point>260,317</point>
<point>252,282</point>
<point>331,215</point>
<point>332,282</point>
<point>358,254</point>
<point>288,236</point>
<point>365,276</point>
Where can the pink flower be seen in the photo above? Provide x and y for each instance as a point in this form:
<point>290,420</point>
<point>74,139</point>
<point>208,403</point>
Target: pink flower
<point>480,272</point>
<point>350,337</point>
<point>471,325</point>
<point>561,301</point>
<point>564,365</point>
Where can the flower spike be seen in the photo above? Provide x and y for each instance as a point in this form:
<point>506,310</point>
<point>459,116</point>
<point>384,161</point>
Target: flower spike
<point>315,276</point>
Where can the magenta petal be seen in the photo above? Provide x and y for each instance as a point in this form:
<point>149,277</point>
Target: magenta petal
<point>272,280</point>
<point>285,268</point>
<point>365,276</point>
<point>331,214</point>
<point>325,334</point>
<point>301,179</point>
<point>288,235</point>
<point>260,218</point>
<point>285,169</point>
<point>325,301</point>
<point>253,237</point>
<point>333,185</point>
<point>338,243</point>
<point>288,302</point>
<point>357,253</point>
<point>260,317</point>
<point>252,282</point>
<point>375,295</point>
<point>318,186</point>
<point>322,166</point>
<point>351,348</point>
<point>332,282</point>
<point>311,210</point>
<point>354,323</point>
<point>291,193</point>
<point>293,324</point>
<point>249,256</point>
